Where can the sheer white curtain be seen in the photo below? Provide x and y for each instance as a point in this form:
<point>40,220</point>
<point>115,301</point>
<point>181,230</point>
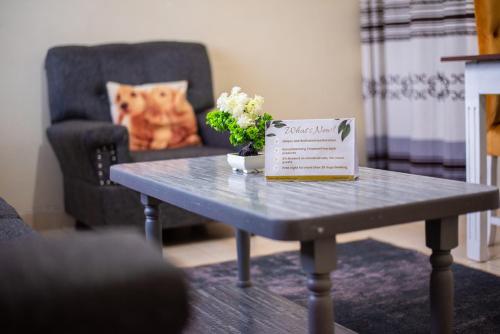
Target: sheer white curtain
<point>414,104</point>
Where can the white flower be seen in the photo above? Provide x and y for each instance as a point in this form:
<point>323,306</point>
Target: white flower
<point>258,103</point>
<point>222,102</point>
<point>239,105</point>
<point>254,106</point>
<point>236,90</point>
<point>244,121</point>
<point>236,104</point>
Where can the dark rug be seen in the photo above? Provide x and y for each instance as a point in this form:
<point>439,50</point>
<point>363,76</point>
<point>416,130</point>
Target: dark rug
<point>377,288</point>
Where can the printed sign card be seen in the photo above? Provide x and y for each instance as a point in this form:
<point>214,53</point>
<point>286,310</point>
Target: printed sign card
<point>311,150</point>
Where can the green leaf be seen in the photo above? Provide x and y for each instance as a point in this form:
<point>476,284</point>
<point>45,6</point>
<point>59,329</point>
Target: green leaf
<point>259,144</point>
<point>346,131</point>
<point>223,121</point>
<point>342,126</point>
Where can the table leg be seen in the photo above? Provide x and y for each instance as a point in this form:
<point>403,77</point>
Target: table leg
<point>475,151</point>
<point>318,259</point>
<point>441,236</point>
<point>152,225</point>
<point>243,249</point>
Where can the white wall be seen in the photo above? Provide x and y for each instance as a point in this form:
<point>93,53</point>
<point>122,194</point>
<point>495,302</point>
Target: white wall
<point>302,56</point>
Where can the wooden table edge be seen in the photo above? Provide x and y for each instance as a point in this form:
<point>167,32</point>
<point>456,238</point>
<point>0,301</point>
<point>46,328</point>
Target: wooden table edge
<point>472,58</point>
<point>292,229</point>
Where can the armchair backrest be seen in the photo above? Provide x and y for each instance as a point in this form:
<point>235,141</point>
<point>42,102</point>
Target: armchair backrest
<point>77,75</point>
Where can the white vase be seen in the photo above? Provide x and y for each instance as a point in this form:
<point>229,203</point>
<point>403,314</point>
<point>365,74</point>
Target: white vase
<point>249,164</point>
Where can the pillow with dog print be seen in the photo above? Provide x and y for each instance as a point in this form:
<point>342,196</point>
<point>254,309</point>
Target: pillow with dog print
<point>157,115</point>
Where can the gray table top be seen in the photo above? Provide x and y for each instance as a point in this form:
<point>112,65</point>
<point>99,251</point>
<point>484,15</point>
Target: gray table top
<point>301,210</point>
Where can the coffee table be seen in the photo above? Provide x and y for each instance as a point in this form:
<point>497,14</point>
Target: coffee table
<point>313,213</point>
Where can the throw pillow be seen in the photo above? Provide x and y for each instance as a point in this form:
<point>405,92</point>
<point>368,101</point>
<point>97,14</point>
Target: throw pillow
<point>157,115</point>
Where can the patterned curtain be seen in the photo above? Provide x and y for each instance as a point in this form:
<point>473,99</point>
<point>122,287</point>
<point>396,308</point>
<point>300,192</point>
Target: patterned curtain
<point>414,104</point>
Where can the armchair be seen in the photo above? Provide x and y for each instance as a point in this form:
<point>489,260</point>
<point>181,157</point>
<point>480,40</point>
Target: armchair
<point>107,282</point>
<point>86,142</point>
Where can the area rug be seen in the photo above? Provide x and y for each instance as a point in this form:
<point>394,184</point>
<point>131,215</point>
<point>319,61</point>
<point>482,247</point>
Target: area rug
<point>377,288</point>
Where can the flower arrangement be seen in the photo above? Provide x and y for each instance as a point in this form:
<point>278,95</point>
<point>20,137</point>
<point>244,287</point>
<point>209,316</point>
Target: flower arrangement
<point>243,117</point>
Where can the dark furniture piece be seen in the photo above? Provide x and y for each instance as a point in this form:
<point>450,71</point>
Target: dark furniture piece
<point>85,283</point>
<point>85,141</point>
<point>313,213</point>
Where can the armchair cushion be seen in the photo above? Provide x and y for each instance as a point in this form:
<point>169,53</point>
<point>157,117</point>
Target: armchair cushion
<point>90,283</point>
<point>157,116</point>
<point>78,143</point>
<point>119,113</point>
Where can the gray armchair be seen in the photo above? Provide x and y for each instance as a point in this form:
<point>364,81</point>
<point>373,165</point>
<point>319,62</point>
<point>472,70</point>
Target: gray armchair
<point>107,282</point>
<point>85,141</point>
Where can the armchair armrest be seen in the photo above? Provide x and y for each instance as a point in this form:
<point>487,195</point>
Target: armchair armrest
<point>86,149</point>
<point>112,282</point>
<point>209,136</point>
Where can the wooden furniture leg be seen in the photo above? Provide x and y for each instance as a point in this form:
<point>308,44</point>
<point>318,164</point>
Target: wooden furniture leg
<point>318,259</point>
<point>441,236</point>
<point>152,225</point>
<point>243,249</point>
<point>475,138</point>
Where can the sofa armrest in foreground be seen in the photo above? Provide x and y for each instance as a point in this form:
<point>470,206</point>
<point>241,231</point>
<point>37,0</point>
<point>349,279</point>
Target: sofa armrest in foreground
<point>90,283</point>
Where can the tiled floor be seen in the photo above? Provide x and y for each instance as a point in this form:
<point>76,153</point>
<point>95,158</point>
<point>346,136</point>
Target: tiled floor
<point>217,245</point>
